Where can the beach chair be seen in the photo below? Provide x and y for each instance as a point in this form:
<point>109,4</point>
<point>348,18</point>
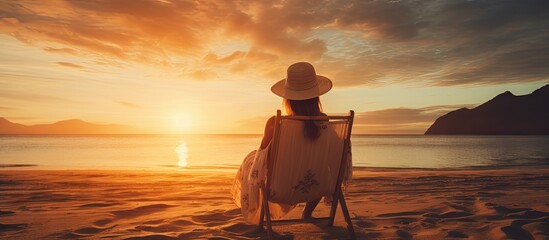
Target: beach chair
<point>300,170</point>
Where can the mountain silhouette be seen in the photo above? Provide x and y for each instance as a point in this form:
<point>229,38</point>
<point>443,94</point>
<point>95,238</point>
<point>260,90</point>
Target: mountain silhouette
<point>504,114</point>
<point>72,126</point>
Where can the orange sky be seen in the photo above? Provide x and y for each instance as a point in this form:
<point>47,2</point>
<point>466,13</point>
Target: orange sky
<point>207,66</point>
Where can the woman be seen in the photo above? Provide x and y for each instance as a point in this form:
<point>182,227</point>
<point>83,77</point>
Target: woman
<point>300,91</point>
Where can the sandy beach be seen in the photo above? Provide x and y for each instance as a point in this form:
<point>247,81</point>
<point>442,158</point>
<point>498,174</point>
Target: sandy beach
<point>384,204</point>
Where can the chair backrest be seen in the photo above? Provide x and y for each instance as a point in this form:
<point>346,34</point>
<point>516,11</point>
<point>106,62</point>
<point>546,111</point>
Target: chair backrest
<point>301,170</point>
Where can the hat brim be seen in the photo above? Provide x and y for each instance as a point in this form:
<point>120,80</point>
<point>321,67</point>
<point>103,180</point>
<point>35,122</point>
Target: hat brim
<point>324,85</point>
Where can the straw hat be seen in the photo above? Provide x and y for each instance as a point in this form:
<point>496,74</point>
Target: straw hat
<point>301,83</point>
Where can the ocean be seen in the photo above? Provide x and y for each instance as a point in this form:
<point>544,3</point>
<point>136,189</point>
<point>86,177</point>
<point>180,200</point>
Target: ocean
<point>168,152</point>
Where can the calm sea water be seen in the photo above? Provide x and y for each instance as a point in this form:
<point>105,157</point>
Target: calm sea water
<point>227,151</point>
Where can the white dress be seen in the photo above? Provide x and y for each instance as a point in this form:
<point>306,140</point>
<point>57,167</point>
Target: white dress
<point>246,192</point>
<point>252,172</point>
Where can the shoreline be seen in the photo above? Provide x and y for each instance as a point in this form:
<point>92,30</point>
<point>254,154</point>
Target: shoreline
<point>163,168</point>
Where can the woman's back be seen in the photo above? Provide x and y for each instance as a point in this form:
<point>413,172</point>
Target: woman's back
<point>306,169</point>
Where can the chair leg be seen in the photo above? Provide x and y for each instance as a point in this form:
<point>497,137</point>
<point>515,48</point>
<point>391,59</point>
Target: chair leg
<point>261,217</point>
<point>265,201</point>
<point>268,220</point>
<point>347,216</point>
<point>333,210</point>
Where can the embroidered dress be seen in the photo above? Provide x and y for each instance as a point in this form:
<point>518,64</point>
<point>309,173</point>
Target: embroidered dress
<point>245,189</point>
<point>252,172</point>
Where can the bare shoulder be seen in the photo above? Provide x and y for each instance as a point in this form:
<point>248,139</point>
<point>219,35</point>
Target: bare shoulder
<point>271,121</point>
<point>269,125</point>
<point>268,133</point>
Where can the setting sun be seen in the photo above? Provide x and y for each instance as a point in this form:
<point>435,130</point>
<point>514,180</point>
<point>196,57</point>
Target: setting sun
<point>182,123</point>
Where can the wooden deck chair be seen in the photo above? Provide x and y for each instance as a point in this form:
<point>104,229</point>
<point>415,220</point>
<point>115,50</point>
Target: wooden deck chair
<point>300,170</point>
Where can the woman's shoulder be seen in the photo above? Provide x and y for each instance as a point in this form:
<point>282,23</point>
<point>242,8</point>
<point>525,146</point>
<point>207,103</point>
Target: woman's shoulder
<point>269,125</point>
<point>268,133</point>
<point>270,121</point>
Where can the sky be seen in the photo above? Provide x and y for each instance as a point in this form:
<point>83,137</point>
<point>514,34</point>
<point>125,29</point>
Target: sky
<point>207,66</point>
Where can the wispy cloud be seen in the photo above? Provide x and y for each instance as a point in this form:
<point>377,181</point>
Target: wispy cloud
<point>129,104</point>
<point>63,50</point>
<point>29,97</point>
<point>401,120</point>
<point>71,65</point>
<point>440,43</point>
<point>7,108</point>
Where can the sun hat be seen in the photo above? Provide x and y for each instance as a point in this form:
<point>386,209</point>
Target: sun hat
<point>301,83</point>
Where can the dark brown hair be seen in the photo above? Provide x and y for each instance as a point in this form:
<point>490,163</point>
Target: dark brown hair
<point>307,107</point>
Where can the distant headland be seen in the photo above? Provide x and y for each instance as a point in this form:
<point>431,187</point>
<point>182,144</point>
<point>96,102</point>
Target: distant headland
<point>73,126</point>
<point>505,114</point>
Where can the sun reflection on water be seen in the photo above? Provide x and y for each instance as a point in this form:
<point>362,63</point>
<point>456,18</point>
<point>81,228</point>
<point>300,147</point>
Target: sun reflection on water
<point>182,152</point>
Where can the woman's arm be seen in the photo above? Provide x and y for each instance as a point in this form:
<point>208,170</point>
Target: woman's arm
<point>268,134</point>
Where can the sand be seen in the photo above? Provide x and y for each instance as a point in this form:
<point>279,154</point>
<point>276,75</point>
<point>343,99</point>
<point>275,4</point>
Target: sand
<point>384,204</point>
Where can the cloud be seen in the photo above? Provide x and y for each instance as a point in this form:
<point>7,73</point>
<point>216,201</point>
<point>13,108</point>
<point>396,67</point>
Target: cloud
<point>279,28</point>
<point>61,50</point>
<point>203,74</point>
<point>71,65</point>
<point>128,30</point>
<point>513,66</point>
<point>384,121</point>
<point>8,108</point>
<point>394,20</point>
<point>21,118</point>
<point>214,59</point>
<point>357,42</point>
<point>400,120</point>
<point>129,104</point>
<point>29,97</point>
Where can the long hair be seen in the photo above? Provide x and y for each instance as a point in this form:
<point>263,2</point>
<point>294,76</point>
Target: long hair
<point>307,107</point>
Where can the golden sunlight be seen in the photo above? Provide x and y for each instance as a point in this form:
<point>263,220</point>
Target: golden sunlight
<point>182,123</point>
<point>182,152</point>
